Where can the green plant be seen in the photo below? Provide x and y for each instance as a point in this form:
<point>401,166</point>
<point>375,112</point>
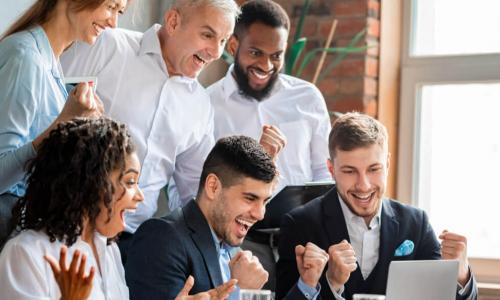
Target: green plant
<point>300,42</point>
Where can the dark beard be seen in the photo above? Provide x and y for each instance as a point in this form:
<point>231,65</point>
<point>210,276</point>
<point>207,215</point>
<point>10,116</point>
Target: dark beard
<point>244,87</point>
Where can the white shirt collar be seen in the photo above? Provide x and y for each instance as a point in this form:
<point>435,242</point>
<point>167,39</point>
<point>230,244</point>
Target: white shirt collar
<point>150,43</point>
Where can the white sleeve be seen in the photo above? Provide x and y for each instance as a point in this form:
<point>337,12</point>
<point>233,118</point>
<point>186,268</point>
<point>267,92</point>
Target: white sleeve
<point>319,140</point>
<point>189,163</point>
<point>22,276</point>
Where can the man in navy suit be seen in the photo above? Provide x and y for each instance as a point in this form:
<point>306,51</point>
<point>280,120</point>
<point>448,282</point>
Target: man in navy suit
<point>201,239</point>
<point>361,231</point>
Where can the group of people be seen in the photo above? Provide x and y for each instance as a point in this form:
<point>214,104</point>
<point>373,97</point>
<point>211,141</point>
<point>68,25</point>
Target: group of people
<point>80,172</point>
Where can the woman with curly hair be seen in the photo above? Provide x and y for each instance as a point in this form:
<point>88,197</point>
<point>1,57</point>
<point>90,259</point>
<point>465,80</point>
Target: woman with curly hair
<point>33,98</point>
<point>82,181</point>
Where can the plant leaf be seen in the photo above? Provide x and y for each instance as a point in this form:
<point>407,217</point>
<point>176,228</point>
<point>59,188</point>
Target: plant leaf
<point>311,54</point>
<point>228,58</point>
<point>300,25</point>
<point>294,54</point>
<point>341,56</point>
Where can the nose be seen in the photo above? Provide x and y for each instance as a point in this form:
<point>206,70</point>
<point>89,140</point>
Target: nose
<point>113,20</point>
<point>139,196</point>
<point>363,183</point>
<point>265,63</point>
<point>216,49</point>
<point>259,210</point>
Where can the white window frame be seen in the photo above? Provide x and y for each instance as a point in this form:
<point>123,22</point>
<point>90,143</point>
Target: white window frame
<point>420,71</point>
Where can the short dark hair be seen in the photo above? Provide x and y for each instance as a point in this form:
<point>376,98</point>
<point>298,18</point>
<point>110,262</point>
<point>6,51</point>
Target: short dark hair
<point>235,157</point>
<point>266,12</point>
<point>69,177</point>
<point>354,130</point>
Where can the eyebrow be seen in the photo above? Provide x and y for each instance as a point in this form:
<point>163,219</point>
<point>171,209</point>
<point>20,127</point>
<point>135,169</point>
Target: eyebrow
<point>209,28</point>
<point>132,170</point>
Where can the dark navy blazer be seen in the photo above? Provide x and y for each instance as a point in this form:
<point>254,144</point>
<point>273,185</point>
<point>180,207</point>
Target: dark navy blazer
<point>322,222</point>
<point>165,251</point>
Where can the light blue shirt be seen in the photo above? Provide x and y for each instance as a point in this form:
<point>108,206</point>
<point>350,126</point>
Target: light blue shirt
<point>224,252</point>
<point>32,95</point>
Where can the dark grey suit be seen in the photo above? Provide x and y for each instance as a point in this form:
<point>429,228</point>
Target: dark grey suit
<point>164,252</point>
<point>322,222</point>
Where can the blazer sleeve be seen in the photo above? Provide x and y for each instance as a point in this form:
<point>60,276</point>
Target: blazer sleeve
<point>286,269</point>
<point>157,264</point>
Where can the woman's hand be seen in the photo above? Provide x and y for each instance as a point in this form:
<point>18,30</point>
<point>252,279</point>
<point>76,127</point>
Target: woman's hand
<point>221,292</point>
<point>82,102</point>
<point>73,283</point>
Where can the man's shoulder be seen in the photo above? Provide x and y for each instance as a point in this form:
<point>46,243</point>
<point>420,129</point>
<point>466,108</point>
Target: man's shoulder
<point>120,36</point>
<point>216,91</point>
<point>299,83</point>
<point>404,211</point>
<point>170,225</point>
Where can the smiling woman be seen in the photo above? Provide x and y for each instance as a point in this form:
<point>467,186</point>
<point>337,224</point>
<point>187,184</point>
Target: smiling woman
<point>33,98</point>
<point>83,179</point>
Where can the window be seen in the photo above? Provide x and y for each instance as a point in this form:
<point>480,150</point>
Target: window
<point>449,139</point>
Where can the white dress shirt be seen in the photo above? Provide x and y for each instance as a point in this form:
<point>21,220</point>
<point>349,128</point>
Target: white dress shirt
<point>169,117</point>
<point>296,107</point>
<point>24,273</point>
<point>364,239</point>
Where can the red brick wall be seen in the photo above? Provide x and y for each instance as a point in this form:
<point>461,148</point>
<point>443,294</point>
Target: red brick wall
<point>353,84</point>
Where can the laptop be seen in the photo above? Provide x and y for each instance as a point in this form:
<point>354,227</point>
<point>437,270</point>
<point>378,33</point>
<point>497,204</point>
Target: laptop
<point>422,279</point>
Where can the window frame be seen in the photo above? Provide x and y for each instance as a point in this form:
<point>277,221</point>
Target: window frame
<point>417,71</point>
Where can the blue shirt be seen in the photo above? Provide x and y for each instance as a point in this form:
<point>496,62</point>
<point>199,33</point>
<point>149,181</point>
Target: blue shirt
<point>32,95</point>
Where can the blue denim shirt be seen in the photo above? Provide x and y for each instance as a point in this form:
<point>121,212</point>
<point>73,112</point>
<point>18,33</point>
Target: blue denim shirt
<point>32,95</point>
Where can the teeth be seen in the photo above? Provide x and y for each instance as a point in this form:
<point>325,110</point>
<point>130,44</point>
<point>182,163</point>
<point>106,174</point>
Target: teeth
<point>260,75</point>
<point>243,222</point>
<point>130,210</point>
<point>98,28</point>
<point>199,58</point>
<point>362,196</point>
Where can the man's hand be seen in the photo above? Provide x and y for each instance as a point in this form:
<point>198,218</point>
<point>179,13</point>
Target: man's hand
<point>247,269</point>
<point>221,292</point>
<point>311,261</point>
<point>72,281</point>
<point>272,140</point>
<point>341,263</point>
<point>454,246</point>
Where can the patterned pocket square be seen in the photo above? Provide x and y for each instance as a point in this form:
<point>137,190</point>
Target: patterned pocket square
<point>406,248</point>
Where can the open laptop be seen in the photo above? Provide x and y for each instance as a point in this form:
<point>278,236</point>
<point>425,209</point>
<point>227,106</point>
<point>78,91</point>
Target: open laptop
<point>422,279</point>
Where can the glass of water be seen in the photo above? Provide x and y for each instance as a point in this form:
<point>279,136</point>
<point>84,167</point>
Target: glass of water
<point>255,295</point>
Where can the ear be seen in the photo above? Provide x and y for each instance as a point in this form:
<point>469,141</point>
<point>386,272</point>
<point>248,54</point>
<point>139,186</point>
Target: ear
<point>172,20</point>
<point>388,161</point>
<point>232,45</point>
<point>212,186</point>
<point>329,164</point>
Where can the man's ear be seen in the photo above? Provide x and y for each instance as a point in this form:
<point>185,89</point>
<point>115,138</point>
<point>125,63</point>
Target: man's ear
<point>329,164</point>
<point>232,45</point>
<point>172,20</point>
<point>212,186</point>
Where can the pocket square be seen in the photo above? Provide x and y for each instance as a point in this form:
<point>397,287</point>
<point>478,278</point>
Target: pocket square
<point>406,248</point>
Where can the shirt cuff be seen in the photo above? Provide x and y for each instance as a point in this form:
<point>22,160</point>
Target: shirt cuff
<point>336,294</point>
<point>309,292</point>
<point>465,290</point>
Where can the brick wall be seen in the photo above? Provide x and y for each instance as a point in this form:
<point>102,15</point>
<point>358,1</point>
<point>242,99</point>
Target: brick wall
<point>352,85</point>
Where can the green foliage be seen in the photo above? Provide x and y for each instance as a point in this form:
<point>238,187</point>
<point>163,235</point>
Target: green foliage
<point>299,44</point>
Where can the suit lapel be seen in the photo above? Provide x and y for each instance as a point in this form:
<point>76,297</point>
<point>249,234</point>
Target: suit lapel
<point>389,232</point>
<point>202,238</point>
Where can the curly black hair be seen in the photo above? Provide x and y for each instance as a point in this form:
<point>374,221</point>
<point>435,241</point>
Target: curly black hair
<point>69,177</point>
